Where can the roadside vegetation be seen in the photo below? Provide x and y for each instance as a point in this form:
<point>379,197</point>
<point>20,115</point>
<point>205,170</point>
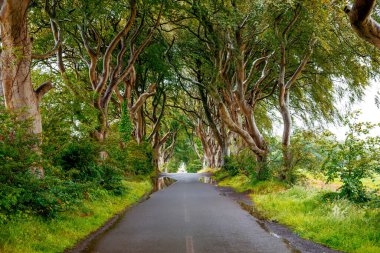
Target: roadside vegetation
<point>95,94</point>
<point>79,192</point>
<point>337,223</point>
<point>332,201</point>
<point>26,233</point>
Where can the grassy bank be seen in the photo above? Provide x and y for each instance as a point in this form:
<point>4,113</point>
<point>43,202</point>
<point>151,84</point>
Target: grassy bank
<point>338,224</point>
<point>34,234</point>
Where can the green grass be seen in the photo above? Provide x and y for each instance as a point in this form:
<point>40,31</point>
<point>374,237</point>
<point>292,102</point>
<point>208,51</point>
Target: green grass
<point>240,183</point>
<point>340,224</point>
<point>34,234</point>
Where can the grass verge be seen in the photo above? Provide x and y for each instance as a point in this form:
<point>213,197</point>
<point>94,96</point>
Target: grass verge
<point>338,224</point>
<point>34,234</point>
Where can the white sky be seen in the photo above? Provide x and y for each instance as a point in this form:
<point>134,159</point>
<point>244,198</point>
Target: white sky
<point>369,111</point>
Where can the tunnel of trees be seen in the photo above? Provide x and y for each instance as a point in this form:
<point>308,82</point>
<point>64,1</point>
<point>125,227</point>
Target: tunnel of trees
<point>96,90</point>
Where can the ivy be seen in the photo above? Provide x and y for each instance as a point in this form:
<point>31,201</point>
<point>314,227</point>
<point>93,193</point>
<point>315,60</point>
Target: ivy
<point>125,126</point>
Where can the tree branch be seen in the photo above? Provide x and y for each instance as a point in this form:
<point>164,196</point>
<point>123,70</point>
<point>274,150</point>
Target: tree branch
<point>302,65</point>
<point>141,100</point>
<point>43,89</point>
<point>48,54</point>
<point>362,22</point>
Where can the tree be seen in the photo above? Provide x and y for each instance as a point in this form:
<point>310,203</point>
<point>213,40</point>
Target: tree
<point>362,21</point>
<point>16,60</point>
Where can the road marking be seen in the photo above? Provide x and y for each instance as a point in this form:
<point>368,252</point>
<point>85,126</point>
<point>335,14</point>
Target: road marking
<point>189,244</point>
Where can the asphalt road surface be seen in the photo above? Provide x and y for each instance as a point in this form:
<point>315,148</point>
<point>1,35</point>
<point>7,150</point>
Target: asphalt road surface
<point>188,217</point>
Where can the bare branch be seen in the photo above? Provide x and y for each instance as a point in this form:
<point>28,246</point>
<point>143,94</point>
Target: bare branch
<point>43,89</point>
<point>302,65</point>
<point>141,100</point>
<point>112,45</point>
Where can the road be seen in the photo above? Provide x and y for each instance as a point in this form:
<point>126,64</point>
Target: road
<point>188,217</point>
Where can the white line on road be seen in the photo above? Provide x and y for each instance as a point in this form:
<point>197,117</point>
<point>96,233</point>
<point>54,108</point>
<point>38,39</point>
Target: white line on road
<point>189,244</point>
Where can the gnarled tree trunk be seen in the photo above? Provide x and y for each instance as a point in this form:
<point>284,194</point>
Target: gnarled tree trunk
<point>16,64</point>
<point>362,22</point>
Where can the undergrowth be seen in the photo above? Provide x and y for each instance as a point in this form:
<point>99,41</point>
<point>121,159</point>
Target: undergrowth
<point>29,233</point>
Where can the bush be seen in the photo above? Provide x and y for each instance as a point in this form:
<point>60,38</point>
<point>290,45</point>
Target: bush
<point>244,162</point>
<point>17,146</point>
<point>24,192</point>
<point>80,162</point>
<point>231,166</point>
<point>111,179</point>
<point>139,158</point>
<point>78,155</point>
<point>353,160</point>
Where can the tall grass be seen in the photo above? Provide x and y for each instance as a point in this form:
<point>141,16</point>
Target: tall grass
<point>338,224</point>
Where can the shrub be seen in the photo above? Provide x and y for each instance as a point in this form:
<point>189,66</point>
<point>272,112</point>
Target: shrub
<point>24,192</point>
<point>17,146</point>
<point>139,158</point>
<point>111,178</point>
<point>20,189</point>
<point>231,165</point>
<point>352,160</point>
<point>78,155</point>
<point>244,162</point>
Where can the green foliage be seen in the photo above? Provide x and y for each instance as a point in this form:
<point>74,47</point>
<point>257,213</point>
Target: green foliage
<point>79,160</point>
<point>125,125</point>
<point>20,188</point>
<point>68,175</point>
<point>354,159</point>
<point>29,234</point>
<point>231,166</point>
<point>194,166</point>
<point>139,158</point>
<point>306,151</point>
<point>78,155</point>
<point>244,162</point>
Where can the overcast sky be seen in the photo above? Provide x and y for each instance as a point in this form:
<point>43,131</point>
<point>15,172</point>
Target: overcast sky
<point>370,112</point>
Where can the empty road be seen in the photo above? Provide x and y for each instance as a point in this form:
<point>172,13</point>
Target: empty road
<point>188,217</point>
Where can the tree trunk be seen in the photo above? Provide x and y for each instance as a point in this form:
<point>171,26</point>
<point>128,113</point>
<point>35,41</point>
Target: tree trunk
<point>262,167</point>
<point>362,22</point>
<point>16,58</point>
<point>1,89</point>
<point>286,135</point>
<point>16,63</point>
<point>100,133</point>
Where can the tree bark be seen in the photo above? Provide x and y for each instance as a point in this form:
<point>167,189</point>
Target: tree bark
<point>287,121</point>
<point>284,94</point>
<point>16,64</point>
<point>362,22</point>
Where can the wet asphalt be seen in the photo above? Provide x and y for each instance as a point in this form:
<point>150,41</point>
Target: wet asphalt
<point>188,217</point>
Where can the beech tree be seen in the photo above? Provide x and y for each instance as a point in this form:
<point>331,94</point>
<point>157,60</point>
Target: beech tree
<point>16,60</point>
<point>362,21</point>
<point>112,74</point>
